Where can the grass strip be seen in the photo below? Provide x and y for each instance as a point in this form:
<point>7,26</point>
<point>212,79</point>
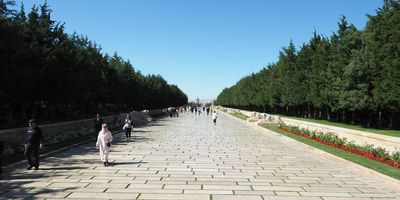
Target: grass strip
<point>388,132</point>
<point>240,116</point>
<point>371,164</point>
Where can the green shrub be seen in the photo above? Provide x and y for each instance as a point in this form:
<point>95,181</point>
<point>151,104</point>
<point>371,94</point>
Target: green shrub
<point>383,153</point>
<point>306,132</point>
<point>315,134</point>
<point>368,148</point>
<point>396,156</point>
<point>352,145</point>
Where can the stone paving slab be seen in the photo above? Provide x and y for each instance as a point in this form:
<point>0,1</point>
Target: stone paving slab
<point>191,158</point>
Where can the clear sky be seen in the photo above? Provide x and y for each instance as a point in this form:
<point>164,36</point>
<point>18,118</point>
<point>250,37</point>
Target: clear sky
<point>203,46</point>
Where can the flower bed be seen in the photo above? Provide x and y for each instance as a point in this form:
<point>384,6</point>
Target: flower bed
<point>369,151</point>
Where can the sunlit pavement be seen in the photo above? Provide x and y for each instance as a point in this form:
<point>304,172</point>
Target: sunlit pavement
<point>188,157</point>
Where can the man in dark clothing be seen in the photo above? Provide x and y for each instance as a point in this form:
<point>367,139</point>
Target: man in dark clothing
<point>98,122</point>
<point>1,154</point>
<point>33,143</point>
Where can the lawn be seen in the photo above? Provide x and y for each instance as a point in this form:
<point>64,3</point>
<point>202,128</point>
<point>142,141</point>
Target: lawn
<point>371,164</point>
<point>240,115</point>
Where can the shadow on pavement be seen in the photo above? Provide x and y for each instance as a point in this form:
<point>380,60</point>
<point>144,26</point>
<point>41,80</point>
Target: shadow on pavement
<point>62,168</point>
<point>25,186</point>
<point>141,139</point>
<point>126,163</point>
<point>141,131</point>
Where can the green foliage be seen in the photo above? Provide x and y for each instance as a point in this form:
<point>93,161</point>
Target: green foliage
<point>383,153</point>
<point>240,115</point>
<point>352,76</point>
<point>49,74</point>
<point>396,156</point>
<point>4,8</point>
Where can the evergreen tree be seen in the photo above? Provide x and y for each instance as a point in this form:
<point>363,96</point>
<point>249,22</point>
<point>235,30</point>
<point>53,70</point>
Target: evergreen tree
<point>352,76</point>
<point>382,47</point>
<point>48,74</point>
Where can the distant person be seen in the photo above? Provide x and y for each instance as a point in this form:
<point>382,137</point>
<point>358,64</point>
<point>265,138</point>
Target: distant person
<point>98,121</point>
<point>103,143</point>
<point>214,117</point>
<point>128,127</point>
<point>33,144</point>
<point>208,110</point>
<point>1,155</point>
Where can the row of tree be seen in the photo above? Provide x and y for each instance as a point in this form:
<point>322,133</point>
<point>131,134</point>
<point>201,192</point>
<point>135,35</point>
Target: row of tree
<point>49,74</point>
<point>352,76</point>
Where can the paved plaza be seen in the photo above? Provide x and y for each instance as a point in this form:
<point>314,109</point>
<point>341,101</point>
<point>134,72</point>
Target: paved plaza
<point>191,158</point>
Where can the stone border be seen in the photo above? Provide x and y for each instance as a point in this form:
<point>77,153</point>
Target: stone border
<point>394,183</point>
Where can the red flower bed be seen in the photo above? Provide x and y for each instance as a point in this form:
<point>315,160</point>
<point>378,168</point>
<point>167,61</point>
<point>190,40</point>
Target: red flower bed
<point>351,150</point>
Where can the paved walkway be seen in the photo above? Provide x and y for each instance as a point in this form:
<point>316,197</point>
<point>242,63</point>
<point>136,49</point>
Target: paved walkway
<point>190,158</point>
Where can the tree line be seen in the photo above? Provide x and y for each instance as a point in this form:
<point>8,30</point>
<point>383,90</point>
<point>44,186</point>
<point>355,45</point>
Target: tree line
<point>47,73</point>
<point>353,76</point>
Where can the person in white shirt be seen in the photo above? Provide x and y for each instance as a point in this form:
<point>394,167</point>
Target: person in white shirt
<point>104,143</point>
<point>128,127</point>
<point>214,117</point>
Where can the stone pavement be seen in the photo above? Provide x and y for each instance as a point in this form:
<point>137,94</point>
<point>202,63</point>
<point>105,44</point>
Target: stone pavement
<point>190,158</point>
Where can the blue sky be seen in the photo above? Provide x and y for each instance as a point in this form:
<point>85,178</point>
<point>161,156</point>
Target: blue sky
<point>203,46</point>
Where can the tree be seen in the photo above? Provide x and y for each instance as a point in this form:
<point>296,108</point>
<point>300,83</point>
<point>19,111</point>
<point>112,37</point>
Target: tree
<point>287,72</point>
<point>48,74</point>
<point>352,74</point>
<point>382,47</point>
<point>4,8</point>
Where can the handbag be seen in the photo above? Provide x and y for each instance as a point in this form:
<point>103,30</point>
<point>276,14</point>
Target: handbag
<point>108,144</point>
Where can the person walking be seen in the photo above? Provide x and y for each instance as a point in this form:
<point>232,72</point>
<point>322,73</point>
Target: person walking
<point>33,144</point>
<point>128,127</point>
<point>214,117</point>
<point>98,122</point>
<point>104,143</point>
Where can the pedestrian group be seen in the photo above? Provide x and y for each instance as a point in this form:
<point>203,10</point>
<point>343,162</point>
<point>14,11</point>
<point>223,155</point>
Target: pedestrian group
<point>34,137</point>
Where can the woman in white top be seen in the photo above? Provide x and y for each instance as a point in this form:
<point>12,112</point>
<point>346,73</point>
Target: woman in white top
<point>104,143</point>
<point>214,117</point>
